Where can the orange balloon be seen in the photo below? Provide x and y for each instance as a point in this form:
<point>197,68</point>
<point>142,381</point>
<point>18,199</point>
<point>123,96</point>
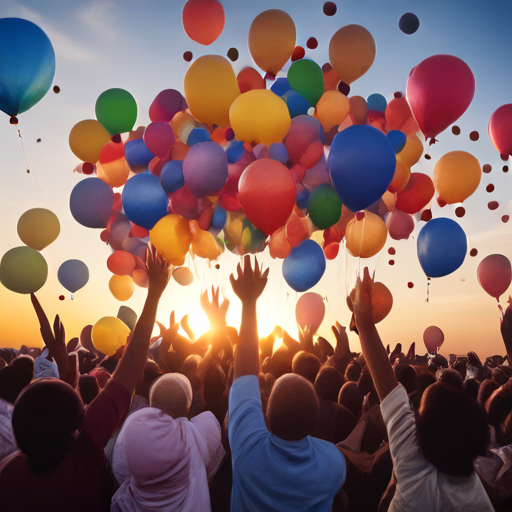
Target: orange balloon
<point>400,178</point>
<point>382,302</point>
<point>203,20</point>
<point>351,52</point>
<point>366,237</point>
<point>121,263</point>
<point>249,79</point>
<point>358,109</point>
<point>331,78</point>
<point>399,116</point>
<point>203,243</point>
<point>121,287</point>
<point>412,151</point>
<point>332,109</point>
<point>87,138</point>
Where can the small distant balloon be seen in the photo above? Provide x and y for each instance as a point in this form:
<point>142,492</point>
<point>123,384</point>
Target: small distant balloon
<point>474,136</point>
<point>489,188</point>
<point>298,53</point>
<point>455,130</point>
<point>183,276</point>
<point>38,140</point>
<point>343,88</point>
<point>460,211</point>
<point>56,89</point>
<point>433,337</point>
<point>391,262</point>
<point>504,157</point>
<point>187,56</point>
<point>493,205</point>
<point>330,8</point>
<point>61,297</point>
<point>505,168</point>
<point>410,285</point>
<point>73,275</point>
<point>505,219</point>
<point>494,275</point>
<point>486,168</point>
<point>232,54</point>
<point>409,23</point>
<point>312,43</point>
<point>473,252</point>
<point>426,215</point>
<point>391,251</point>
<point>427,156</point>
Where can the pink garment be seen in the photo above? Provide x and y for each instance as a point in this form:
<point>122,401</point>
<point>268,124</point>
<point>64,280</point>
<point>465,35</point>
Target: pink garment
<point>169,462</point>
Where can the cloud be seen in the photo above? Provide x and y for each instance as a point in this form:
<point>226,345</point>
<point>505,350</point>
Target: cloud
<point>97,18</point>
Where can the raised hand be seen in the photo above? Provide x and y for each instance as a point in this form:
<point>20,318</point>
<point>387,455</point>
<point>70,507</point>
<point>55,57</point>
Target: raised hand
<point>306,339</point>
<point>340,333</point>
<point>186,327</point>
<point>215,312</point>
<point>249,284</point>
<point>159,271</point>
<point>361,297</point>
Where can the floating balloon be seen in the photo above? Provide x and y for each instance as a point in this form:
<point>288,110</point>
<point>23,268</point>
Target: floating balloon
<point>27,65</point>
<point>324,207</point>
<point>137,155</point>
<point>38,228</point>
<point>298,53</point>
<point>121,263</point>
<point>116,110</point>
<point>495,275</point>
<point>203,244</point>
<point>376,102</point>
<point>304,130</point>
<point>417,193</point>
<point>112,167</point>
<point>400,225</point>
<point>171,237</point>
<point>249,79</point>
<point>203,20</point>
<point>121,287</point>
<point>400,178</point>
<point>442,247</point>
<point>499,129</point>
<point>366,237</point>
<point>183,276</point>
<point>159,138</point>
<point>310,311</point>
<point>91,203</point>
<point>412,151</point>
<point>398,140</point>
<point>409,23</point>
<point>330,8</point>
<point>166,105</point>
<point>433,337</point>
<point>382,302</point>
<point>127,316</point>
<point>108,334</point>
<point>305,77</point>
<point>87,138</point>
<point>73,275</point>
<point>23,270</point>
<point>305,266</point>
<point>332,109</point>
<point>172,176</point>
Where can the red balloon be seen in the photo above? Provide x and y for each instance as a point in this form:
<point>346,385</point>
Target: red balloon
<point>267,194</point>
<point>433,338</point>
<point>121,263</point>
<point>203,20</point>
<point>495,275</point>
<point>310,310</point>
<point>159,138</point>
<point>417,193</point>
<point>298,53</point>
<point>400,225</point>
<point>249,79</point>
<point>332,250</point>
<point>439,91</point>
<point>499,129</point>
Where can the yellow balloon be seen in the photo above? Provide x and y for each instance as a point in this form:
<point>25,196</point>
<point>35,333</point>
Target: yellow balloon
<point>183,276</point>
<point>38,228</point>
<point>366,237</point>
<point>121,287</point>
<point>260,116</point>
<point>272,40</point>
<point>87,138</point>
<point>171,237</point>
<point>108,334</point>
<point>332,109</point>
<point>205,246</point>
<point>412,151</point>
<point>114,173</point>
<point>456,176</point>
<point>351,52</point>
<point>23,270</point>
<point>210,89</point>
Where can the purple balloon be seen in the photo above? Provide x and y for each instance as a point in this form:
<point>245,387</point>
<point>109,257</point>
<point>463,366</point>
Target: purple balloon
<point>166,105</point>
<point>159,138</point>
<point>205,169</point>
<point>91,203</point>
<point>73,275</point>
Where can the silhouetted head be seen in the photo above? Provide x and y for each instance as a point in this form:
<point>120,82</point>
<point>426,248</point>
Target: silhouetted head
<point>172,394</point>
<point>451,377</point>
<point>353,372</point>
<point>471,387</point>
<point>365,383</point>
<point>352,398</point>
<point>25,364</point>
<point>306,365</point>
<point>407,376</point>
<point>280,363</point>
<point>292,409</point>
<point>12,382</point>
<point>328,383</point>
<point>499,405</point>
<point>487,388</point>
<point>88,387</point>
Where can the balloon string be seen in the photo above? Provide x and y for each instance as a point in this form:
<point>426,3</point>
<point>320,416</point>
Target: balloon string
<point>428,289</point>
<point>361,246</point>
<point>72,296</point>
<point>30,171</point>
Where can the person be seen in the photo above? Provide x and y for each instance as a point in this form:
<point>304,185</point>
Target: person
<point>433,457</point>
<point>62,465</point>
<point>283,469</point>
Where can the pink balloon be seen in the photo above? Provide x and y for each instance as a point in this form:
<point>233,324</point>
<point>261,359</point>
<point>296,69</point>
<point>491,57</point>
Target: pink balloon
<point>166,105</point>
<point>400,225</point>
<point>499,129</point>
<point>495,275</point>
<point>159,138</point>
<point>439,91</point>
<point>310,310</point>
<point>433,338</point>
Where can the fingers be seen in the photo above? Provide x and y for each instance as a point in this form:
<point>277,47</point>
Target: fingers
<point>172,320</point>
<point>161,327</point>
<point>265,274</point>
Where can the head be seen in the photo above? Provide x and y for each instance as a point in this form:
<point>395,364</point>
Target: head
<point>25,364</point>
<point>280,363</point>
<point>47,418</point>
<point>451,377</point>
<point>352,398</point>
<point>151,372</point>
<point>471,387</point>
<point>328,383</point>
<point>88,387</point>
<point>292,409</point>
<point>499,405</point>
<point>407,376</point>
<point>365,383</point>
<point>172,394</point>
<point>353,372</point>
<point>487,388</point>
<point>452,429</point>
<point>12,382</point>
<point>306,365</point>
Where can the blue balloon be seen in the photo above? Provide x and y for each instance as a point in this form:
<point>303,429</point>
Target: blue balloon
<point>376,102</point>
<point>281,86</point>
<point>277,151</point>
<point>409,23</point>
<point>302,198</point>
<point>198,135</point>
<point>145,202</point>
<point>172,176</point>
<point>137,155</point>
<point>442,247</point>
<point>362,165</point>
<point>304,266</point>
<point>297,105</point>
<point>397,139</point>
<point>219,218</point>
<point>27,65</point>
<point>235,151</point>
<point>91,202</point>
<point>73,275</point>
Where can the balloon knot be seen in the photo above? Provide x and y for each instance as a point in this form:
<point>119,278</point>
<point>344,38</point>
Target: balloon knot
<point>116,138</point>
<point>432,141</point>
<point>13,120</point>
<point>270,76</point>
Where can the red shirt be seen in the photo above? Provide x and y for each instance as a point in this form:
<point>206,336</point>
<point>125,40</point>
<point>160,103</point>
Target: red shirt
<point>82,482</point>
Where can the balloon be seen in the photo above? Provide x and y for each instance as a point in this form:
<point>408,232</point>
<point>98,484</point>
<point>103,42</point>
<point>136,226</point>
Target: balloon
<point>121,263</point>
<point>183,276</point>
<point>305,77</point>
<point>166,105</point>
<point>145,202</point>
<point>203,20</point>
<point>198,135</point>
<point>442,247</point>
<point>140,278</point>
<point>358,109</point>
<point>362,164</point>
<point>159,138</point>
<point>412,151</point>
<point>456,176</point>
<point>417,193</point>
<point>399,117</point>
<point>249,79</point>
<point>305,266</point>
<point>330,8</point>
<point>171,237</point>
<point>38,228</point>
<point>332,109</point>
<point>121,287</point>
<point>127,316</point>
<point>112,167</point>
<point>27,65</point>
<point>376,102</point>
<point>278,151</point>
<point>439,91</point>
<point>324,207</point>
<point>400,178</point>
<point>433,338</point>
<point>304,130</point>
<point>272,40</point>
<point>171,176</point>
<point>137,155</point>
<point>297,105</point>
<point>298,53</point>
<point>108,334</point>
<point>499,129</point>
<point>259,116</point>
<point>310,310</point>
<point>409,23</point>
<point>205,169</point>
<point>73,275</point>
<point>281,86</point>
<point>366,237</point>
<point>219,219</point>
<point>495,275</point>
<point>382,302</point>
<point>210,89</point>
<point>400,225</point>
<point>267,194</point>
<point>23,270</point>
<point>203,243</point>
<point>87,138</point>
<point>351,52</point>
<point>116,110</point>
<point>91,202</point>
<point>398,140</point>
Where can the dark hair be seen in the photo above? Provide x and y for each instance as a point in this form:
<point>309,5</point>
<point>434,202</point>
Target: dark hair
<point>352,398</point>
<point>88,387</point>
<point>425,380</point>
<point>499,405</point>
<point>471,387</point>
<point>12,382</point>
<point>280,363</point>
<point>365,383</point>
<point>487,388</point>
<point>306,365</point>
<point>407,376</point>
<point>328,383</point>
<point>451,377</point>
<point>25,364</point>
<point>353,372</point>
<point>110,364</point>
<point>452,429</point>
<point>215,382</point>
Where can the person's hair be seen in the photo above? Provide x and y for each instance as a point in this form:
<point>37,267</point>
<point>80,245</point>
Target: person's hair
<point>215,382</point>
<point>471,387</point>
<point>352,398</point>
<point>328,383</point>
<point>353,372</point>
<point>45,418</point>
<point>487,388</point>
<point>151,372</point>
<point>306,365</point>
<point>280,363</point>
<point>407,376</point>
<point>12,382</point>
<point>452,429</point>
<point>172,394</point>
<point>425,380</point>
<point>365,383</point>
<point>440,361</point>
<point>292,409</point>
<point>499,405</point>
<point>25,364</point>
<point>110,364</point>
<point>89,388</point>
<point>451,377</point>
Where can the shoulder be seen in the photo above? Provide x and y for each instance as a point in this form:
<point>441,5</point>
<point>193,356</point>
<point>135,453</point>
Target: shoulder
<point>395,404</point>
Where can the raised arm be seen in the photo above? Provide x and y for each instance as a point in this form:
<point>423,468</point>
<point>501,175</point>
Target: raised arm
<point>248,286</point>
<point>506,330</point>
<point>371,344</point>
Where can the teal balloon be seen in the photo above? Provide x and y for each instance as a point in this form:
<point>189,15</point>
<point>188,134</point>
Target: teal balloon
<point>305,77</point>
<point>324,207</point>
<point>27,65</point>
<point>116,110</point>
<point>73,275</point>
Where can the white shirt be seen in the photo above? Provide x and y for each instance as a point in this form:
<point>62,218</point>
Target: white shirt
<point>7,442</point>
<point>420,486</point>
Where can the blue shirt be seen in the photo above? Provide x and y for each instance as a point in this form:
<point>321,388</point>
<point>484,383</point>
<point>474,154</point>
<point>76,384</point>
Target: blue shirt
<point>270,474</point>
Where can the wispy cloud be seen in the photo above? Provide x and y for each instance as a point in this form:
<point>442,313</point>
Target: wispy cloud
<point>98,18</point>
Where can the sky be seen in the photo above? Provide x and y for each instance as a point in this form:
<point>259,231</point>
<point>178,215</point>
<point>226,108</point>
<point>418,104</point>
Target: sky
<point>139,46</point>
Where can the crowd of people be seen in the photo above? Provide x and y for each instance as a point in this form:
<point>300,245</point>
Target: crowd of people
<point>225,422</point>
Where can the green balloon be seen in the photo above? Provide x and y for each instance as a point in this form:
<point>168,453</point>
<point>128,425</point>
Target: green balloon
<point>116,110</point>
<point>23,270</point>
<point>305,77</point>
<point>324,206</point>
